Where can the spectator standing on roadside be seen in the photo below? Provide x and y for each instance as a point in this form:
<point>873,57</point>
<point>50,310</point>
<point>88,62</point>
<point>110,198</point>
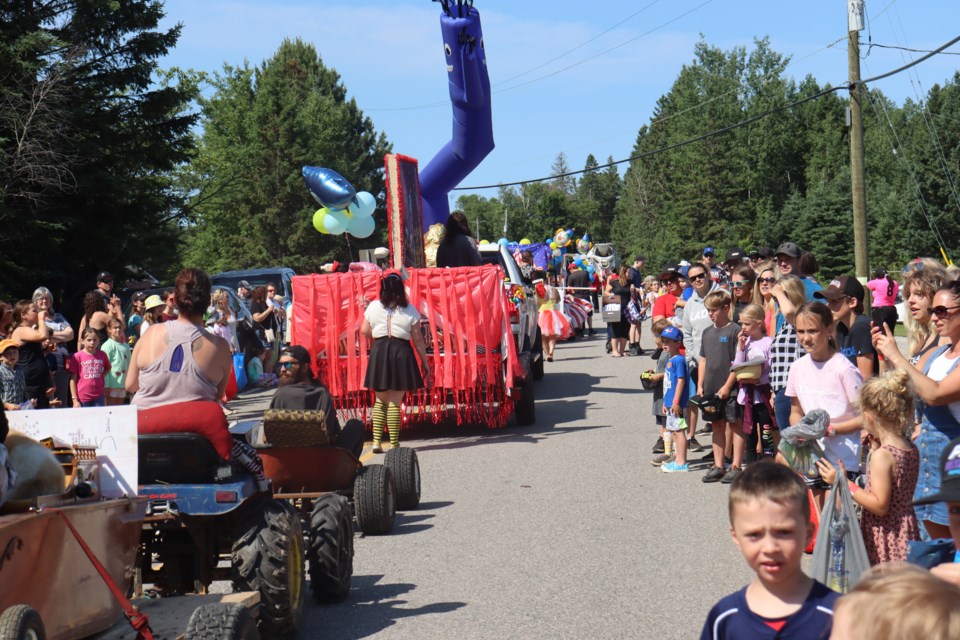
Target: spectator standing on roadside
<point>6,319</point>
<point>60,333</point>
<point>714,272</point>
<point>785,348</point>
<point>169,306</point>
<point>118,354</point>
<point>763,295</point>
<point>105,285</point>
<point>844,298</point>
<point>13,385</point>
<point>788,262</point>
<point>694,321</point>
<point>96,316</point>
<point>136,316</point>
<point>883,294</point>
<point>88,368</point>
<point>742,279</point>
<point>664,307</point>
<point>221,320</point>
<point>244,291</point>
<point>152,313</point>
<point>31,332</point>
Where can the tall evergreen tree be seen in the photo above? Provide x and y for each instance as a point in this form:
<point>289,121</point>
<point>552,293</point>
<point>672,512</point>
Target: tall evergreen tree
<point>88,143</point>
<point>260,127</point>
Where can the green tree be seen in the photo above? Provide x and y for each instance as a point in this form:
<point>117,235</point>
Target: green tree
<point>88,143</point>
<point>260,127</point>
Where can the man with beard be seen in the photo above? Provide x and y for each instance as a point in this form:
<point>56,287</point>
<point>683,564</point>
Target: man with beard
<point>301,391</point>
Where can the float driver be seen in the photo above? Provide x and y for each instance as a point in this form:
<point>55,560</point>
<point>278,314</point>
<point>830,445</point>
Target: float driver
<point>299,390</point>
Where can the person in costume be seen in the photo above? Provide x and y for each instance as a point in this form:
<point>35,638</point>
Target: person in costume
<point>393,323</point>
<point>553,324</point>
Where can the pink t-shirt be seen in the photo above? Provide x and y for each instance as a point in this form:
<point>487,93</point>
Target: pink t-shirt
<point>90,370</point>
<point>834,386</point>
<point>878,290</point>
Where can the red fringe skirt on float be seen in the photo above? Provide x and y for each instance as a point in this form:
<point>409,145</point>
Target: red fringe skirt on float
<point>553,323</point>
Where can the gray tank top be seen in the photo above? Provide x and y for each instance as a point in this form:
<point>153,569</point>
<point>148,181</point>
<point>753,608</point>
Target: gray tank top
<point>175,377</point>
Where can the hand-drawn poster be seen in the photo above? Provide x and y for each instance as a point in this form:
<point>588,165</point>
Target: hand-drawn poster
<point>112,430</point>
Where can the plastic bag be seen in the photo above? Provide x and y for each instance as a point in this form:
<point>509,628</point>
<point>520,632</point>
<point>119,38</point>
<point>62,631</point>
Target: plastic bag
<point>239,371</point>
<point>799,446</point>
<point>840,556</point>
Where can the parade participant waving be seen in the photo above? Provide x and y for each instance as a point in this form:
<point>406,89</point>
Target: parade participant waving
<point>392,322</point>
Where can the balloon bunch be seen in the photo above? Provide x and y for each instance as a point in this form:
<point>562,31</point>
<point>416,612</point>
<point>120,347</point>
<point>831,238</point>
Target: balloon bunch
<point>584,263</point>
<point>344,209</point>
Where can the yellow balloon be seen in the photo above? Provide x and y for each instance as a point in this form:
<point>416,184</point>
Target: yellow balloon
<point>484,242</point>
<point>318,220</point>
<point>525,241</point>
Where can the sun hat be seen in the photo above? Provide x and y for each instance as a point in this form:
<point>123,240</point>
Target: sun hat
<point>152,302</point>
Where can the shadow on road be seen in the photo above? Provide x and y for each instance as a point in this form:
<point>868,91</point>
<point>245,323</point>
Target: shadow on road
<point>370,608</point>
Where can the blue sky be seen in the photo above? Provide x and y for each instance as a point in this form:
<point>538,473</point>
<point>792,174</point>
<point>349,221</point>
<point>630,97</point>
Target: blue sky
<point>389,54</point>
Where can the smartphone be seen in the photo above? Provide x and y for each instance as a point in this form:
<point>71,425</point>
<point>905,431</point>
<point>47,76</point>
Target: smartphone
<point>876,316</point>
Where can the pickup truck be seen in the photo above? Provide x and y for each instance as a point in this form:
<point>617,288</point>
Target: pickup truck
<point>523,323</point>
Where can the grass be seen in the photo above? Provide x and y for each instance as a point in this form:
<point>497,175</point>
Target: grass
<point>900,331</point>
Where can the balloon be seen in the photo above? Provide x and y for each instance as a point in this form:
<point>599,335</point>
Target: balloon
<point>503,242</point>
<point>583,244</point>
<point>361,226</point>
<point>335,222</point>
<point>318,220</point>
<point>556,253</point>
<point>364,204</point>
<point>578,261</point>
<point>484,242</point>
<point>553,245</point>
<point>562,237</point>
<point>525,241</point>
<point>328,187</point>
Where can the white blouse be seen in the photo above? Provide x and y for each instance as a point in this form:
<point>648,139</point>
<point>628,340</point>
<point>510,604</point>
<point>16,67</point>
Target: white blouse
<point>401,320</point>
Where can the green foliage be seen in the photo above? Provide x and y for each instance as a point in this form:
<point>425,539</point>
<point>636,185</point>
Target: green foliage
<point>88,144</point>
<point>260,126</point>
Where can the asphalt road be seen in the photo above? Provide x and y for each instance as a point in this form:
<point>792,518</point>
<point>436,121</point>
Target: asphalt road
<point>558,530</point>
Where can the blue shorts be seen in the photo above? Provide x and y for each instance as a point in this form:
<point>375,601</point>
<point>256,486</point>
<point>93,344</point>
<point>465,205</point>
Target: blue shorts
<point>931,443</point>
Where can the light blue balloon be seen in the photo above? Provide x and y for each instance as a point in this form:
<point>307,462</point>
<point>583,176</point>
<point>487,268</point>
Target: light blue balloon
<point>503,241</point>
<point>364,204</point>
<point>361,226</point>
<point>335,222</point>
<point>328,187</point>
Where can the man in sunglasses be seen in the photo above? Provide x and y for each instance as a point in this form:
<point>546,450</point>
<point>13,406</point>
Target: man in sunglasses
<point>301,391</point>
<point>695,320</point>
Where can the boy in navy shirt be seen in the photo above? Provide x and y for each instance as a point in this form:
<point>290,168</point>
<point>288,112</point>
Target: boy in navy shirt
<point>770,524</point>
<point>675,394</point>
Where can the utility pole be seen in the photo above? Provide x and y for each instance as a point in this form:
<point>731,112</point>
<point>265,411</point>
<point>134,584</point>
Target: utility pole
<point>855,11</point>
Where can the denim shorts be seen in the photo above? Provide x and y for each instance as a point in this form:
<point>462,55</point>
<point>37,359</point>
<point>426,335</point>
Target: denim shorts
<point>931,443</point>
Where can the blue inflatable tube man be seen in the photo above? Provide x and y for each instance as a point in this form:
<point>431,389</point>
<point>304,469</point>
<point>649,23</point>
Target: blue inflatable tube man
<point>472,116</point>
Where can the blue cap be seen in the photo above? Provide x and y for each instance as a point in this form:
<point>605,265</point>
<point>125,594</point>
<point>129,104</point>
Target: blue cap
<point>672,333</point>
<point>707,250</point>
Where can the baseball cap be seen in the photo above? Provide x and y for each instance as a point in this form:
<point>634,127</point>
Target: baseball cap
<point>840,288</point>
<point>243,284</point>
<point>104,276</point>
<point>735,255</point>
<point>762,252</point>
<point>949,476</point>
<point>139,296</point>
<point>789,248</point>
<point>709,250</point>
<point>152,302</point>
<point>6,344</point>
<point>669,272</point>
<point>672,333</point>
<point>298,353</point>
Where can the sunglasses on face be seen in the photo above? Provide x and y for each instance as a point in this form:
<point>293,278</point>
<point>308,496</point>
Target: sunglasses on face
<point>289,365</point>
<point>699,276</point>
<point>942,312</point>
<point>767,280</point>
<point>739,284</point>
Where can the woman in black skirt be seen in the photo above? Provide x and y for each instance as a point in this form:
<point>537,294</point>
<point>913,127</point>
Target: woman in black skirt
<point>392,370</point>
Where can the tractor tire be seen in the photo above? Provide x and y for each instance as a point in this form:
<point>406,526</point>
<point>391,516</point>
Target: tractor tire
<point>536,364</point>
<point>375,499</point>
<point>405,467</point>
<point>525,409</point>
<point>21,622</point>
<point>330,555</point>
<point>267,556</point>
<point>221,621</point>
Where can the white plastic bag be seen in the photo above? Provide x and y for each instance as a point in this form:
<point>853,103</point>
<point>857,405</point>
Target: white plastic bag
<point>840,556</point>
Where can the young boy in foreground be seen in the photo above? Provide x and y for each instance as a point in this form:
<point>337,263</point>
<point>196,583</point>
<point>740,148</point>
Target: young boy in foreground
<point>770,524</point>
<point>675,395</point>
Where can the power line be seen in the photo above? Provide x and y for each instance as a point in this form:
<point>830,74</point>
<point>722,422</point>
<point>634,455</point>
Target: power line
<point>890,46</point>
<point>717,132</point>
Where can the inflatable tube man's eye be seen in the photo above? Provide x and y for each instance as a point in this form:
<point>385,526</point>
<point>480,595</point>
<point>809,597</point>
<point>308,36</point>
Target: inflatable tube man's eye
<point>447,50</point>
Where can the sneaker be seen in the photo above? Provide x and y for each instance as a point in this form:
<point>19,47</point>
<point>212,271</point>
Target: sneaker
<point>673,467</point>
<point>660,459</point>
<point>693,445</point>
<point>376,448</point>
<point>707,428</point>
<point>609,347</point>
<point>731,475</point>
<point>714,475</point>
<point>708,457</point>
<point>658,448</point>
<point>592,332</point>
